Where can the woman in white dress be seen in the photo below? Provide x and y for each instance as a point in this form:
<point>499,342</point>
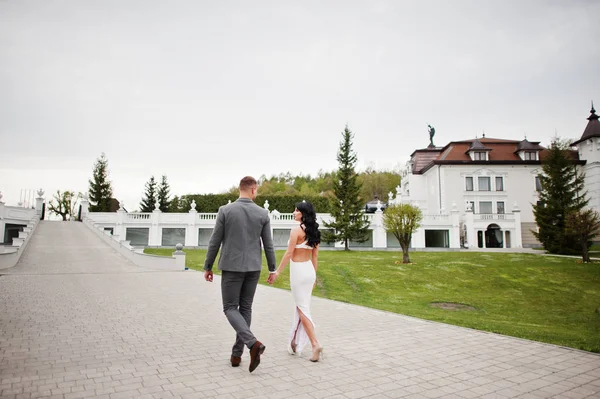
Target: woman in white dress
<point>301,254</point>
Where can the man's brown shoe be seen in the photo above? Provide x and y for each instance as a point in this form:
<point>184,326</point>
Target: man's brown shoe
<point>235,361</point>
<point>257,349</point>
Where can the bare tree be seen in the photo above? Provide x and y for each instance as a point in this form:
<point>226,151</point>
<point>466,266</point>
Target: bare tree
<point>65,205</point>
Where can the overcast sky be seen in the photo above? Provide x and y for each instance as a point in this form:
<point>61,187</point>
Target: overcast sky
<point>206,92</point>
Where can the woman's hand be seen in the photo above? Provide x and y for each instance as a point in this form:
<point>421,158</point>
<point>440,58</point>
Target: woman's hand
<point>272,277</point>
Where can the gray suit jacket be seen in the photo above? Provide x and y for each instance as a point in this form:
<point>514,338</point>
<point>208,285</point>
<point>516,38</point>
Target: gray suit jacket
<point>238,230</point>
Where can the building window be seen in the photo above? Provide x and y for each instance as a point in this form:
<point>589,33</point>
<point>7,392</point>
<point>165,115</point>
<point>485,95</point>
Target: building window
<point>538,184</point>
<point>530,156</point>
<point>485,207</point>
<point>500,207</point>
<point>499,183</point>
<point>472,206</point>
<point>484,183</point>
<point>469,183</point>
<point>479,156</point>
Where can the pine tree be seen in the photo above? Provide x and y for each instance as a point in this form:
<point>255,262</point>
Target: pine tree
<point>163,195</point>
<point>347,206</point>
<point>100,191</point>
<point>562,193</point>
<point>149,199</point>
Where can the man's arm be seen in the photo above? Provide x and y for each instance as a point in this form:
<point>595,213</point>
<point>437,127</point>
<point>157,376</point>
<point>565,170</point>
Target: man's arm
<point>267,241</point>
<point>215,241</point>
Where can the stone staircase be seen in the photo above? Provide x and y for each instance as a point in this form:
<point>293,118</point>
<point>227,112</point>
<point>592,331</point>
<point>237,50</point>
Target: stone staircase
<point>529,240</point>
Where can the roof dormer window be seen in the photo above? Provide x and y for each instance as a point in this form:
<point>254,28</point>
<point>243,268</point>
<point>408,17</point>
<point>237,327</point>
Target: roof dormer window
<point>478,152</point>
<point>529,151</point>
<point>480,156</point>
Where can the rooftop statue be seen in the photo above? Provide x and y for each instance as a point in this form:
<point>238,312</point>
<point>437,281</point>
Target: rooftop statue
<point>431,134</point>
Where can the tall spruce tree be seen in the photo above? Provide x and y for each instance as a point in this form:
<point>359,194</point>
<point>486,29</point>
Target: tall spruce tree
<point>149,198</point>
<point>163,194</point>
<point>100,191</point>
<point>347,206</point>
<point>562,193</point>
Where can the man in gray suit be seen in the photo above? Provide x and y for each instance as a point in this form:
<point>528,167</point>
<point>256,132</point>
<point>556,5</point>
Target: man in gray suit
<point>239,228</point>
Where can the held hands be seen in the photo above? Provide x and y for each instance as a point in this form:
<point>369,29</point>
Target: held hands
<point>272,277</point>
<point>208,276</point>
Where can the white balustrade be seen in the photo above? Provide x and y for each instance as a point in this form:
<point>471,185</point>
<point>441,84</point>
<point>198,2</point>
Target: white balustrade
<point>138,216</point>
<point>207,216</point>
<point>494,216</point>
<point>194,222</point>
<point>369,217</point>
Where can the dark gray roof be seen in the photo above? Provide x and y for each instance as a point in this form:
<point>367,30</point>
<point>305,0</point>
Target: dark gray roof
<point>526,145</point>
<point>476,145</point>
<point>592,129</point>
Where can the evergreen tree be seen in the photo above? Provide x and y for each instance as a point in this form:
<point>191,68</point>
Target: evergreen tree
<point>347,206</point>
<point>100,191</point>
<point>149,198</point>
<point>163,194</point>
<point>562,193</point>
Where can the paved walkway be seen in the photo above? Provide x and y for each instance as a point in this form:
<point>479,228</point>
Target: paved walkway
<point>79,321</point>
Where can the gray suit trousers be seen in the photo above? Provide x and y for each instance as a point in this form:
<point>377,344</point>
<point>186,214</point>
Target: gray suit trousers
<point>237,290</point>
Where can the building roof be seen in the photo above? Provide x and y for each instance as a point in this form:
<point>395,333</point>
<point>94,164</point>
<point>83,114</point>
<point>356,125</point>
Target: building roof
<point>526,145</point>
<point>423,157</point>
<point>592,129</point>
<point>500,152</point>
<point>477,145</point>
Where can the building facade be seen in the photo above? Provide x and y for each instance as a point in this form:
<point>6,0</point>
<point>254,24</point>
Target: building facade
<point>490,181</point>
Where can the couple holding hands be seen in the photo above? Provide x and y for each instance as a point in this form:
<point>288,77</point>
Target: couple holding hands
<point>240,227</point>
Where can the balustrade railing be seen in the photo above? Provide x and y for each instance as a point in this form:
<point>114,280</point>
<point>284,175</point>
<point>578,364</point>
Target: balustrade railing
<point>138,216</point>
<point>494,216</point>
<point>283,216</point>
<point>207,216</point>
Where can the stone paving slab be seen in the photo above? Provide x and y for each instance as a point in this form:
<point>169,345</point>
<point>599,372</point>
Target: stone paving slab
<point>79,321</point>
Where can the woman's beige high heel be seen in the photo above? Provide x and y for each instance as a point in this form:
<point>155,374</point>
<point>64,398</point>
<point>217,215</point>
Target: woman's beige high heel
<point>317,353</point>
<point>292,348</point>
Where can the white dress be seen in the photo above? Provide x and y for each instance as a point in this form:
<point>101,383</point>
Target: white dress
<point>302,280</point>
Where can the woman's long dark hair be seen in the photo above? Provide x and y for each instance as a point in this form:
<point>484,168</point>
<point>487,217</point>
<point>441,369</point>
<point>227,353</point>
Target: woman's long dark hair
<point>309,220</point>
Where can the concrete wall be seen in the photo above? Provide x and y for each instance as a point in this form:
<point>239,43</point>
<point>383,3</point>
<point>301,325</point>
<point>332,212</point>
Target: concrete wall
<point>140,259</point>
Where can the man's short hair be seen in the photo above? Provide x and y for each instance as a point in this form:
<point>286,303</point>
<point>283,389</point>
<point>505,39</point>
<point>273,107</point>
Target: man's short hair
<point>248,183</point>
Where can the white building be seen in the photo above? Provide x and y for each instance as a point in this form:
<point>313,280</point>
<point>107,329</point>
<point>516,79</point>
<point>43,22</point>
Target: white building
<point>588,148</point>
<point>494,183</point>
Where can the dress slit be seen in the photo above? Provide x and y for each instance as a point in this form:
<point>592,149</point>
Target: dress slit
<point>302,279</point>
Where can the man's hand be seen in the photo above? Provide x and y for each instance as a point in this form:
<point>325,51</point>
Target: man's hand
<point>208,275</point>
<point>272,277</point>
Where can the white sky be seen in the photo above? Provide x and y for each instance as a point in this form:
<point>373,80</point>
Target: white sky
<point>209,91</point>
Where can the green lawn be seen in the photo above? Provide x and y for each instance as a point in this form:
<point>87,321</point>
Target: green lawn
<point>547,299</point>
